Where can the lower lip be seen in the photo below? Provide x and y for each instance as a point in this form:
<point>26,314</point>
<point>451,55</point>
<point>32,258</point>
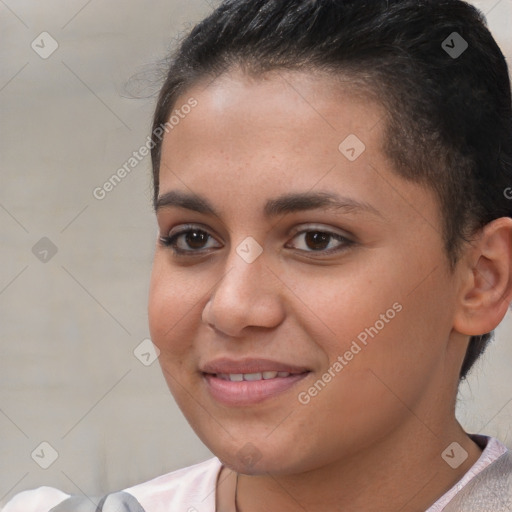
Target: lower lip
<point>249,392</point>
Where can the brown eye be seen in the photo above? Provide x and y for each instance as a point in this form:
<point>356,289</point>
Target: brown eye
<point>196,239</point>
<point>323,242</point>
<point>189,240</point>
<point>317,240</point>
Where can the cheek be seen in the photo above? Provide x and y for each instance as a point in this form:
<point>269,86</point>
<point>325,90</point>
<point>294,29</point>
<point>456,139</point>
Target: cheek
<point>394,356</point>
<point>174,314</point>
<point>342,304</point>
<point>383,321</point>
<point>173,304</point>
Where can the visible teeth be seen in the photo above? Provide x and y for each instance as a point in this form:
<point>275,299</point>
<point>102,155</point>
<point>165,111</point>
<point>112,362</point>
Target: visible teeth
<point>252,376</point>
<point>239,377</point>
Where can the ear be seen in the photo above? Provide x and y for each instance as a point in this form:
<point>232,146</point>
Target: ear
<point>486,274</point>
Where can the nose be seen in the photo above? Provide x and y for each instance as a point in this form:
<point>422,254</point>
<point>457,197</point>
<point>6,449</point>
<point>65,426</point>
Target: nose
<point>248,295</point>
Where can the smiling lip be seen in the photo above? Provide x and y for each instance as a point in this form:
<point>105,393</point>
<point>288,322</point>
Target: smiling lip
<point>249,381</point>
<point>249,365</point>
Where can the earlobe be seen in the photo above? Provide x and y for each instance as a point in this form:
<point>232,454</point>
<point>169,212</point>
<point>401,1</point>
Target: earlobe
<point>486,289</point>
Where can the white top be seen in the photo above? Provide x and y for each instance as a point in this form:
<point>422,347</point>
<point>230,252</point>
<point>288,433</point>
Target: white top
<point>493,448</point>
<point>193,489</point>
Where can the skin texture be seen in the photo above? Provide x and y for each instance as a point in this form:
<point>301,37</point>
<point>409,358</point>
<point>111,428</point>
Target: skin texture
<point>372,438</point>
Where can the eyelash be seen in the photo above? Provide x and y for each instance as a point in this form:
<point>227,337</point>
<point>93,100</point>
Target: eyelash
<point>170,241</point>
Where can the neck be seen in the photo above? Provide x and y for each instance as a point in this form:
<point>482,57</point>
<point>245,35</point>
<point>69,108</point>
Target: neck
<point>405,473</point>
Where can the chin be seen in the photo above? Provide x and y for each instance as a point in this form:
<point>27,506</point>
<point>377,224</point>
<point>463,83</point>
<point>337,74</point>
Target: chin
<point>255,458</point>
<point>246,466</point>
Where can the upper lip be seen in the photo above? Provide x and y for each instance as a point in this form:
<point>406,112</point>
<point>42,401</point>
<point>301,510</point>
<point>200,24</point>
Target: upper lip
<point>249,365</point>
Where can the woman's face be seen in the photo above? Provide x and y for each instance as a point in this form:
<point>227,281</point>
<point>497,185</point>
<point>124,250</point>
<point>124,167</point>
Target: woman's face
<point>354,300</point>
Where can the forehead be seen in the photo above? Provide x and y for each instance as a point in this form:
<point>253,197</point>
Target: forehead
<point>283,132</point>
<point>279,118</point>
<point>300,101</point>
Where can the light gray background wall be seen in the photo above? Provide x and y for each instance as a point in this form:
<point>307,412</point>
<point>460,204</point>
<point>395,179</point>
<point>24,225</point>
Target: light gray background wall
<point>69,325</point>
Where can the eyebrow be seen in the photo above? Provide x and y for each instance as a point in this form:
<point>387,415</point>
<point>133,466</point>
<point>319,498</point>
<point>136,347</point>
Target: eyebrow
<point>287,203</point>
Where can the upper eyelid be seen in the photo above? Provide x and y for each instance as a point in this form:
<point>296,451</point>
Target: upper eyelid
<point>191,226</point>
<point>318,227</point>
<point>184,228</point>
